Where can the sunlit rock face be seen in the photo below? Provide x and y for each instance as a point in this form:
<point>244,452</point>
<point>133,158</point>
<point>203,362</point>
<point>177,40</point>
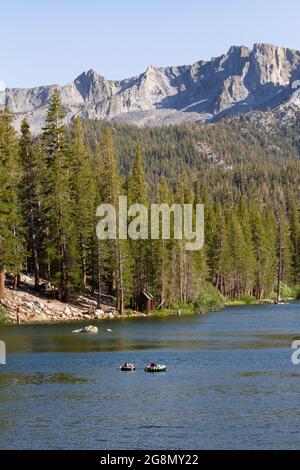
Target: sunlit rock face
<point>239,81</point>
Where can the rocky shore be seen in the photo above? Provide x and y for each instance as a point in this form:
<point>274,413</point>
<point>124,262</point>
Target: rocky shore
<point>25,305</point>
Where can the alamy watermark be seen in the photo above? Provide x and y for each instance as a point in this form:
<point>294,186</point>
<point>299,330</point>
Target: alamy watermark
<point>158,221</point>
<point>2,353</point>
<point>296,354</point>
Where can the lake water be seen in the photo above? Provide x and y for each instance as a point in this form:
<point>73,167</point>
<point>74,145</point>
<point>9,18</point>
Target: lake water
<point>230,383</point>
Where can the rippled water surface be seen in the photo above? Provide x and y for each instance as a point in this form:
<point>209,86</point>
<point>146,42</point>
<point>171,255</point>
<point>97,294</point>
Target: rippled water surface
<point>230,383</point>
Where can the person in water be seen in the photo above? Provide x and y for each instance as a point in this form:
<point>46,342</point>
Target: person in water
<point>127,364</point>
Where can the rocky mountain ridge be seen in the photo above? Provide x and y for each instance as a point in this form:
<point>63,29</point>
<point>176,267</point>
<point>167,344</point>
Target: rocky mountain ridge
<point>242,80</point>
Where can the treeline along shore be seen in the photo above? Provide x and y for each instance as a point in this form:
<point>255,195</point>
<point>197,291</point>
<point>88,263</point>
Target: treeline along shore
<point>52,184</point>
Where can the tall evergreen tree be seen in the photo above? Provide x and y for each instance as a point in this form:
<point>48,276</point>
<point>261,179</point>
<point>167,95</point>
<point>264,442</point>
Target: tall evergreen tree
<point>284,251</point>
<point>294,223</point>
<point>31,175</point>
<point>11,234</point>
<point>137,194</point>
<point>110,192</point>
<point>58,203</point>
<point>83,190</point>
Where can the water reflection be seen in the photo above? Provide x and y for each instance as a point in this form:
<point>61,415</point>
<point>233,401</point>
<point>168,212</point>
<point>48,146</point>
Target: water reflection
<point>17,378</point>
<point>230,384</point>
<point>225,330</point>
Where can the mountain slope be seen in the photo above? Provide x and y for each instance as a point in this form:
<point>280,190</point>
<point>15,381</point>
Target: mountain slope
<point>242,80</point>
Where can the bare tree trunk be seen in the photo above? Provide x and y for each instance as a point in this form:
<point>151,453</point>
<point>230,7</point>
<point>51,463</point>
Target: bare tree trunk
<point>93,273</point>
<point>182,272</point>
<point>121,281</point>
<point>48,263</point>
<point>34,251</point>
<point>162,286</point>
<point>65,291</point>
<point>2,283</point>
<point>140,269</point>
<point>15,284</point>
<point>261,295</point>
<point>99,274</point>
<point>83,261</point>
<point>279,271</point>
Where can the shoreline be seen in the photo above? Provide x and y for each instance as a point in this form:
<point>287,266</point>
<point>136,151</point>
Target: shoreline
<point>239,303</point>
<point>27,306</point>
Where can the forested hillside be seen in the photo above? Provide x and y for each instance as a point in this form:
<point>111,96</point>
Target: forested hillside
<point>246,174</point>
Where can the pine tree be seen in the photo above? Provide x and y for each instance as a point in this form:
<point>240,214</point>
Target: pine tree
<point>160,257</point>
<point>284,251</point>
<point>294,222</point>
<point>54,131</point>
<point>11,230</point>
<point>184,196</point>
<point>30,197</point>
<point>83,189</point>
<point>110,192</point>
<point>137,191</point>
<point>216,245</point>
<point>240,259</point>
<point>141,249</point>
<point>58,204</point>
<point>264,243</point>
<point>248,257</point>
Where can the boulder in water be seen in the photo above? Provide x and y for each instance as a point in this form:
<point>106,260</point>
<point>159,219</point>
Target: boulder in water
<point>88,329</point>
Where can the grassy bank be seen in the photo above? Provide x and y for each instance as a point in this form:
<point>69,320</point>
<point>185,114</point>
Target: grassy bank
<point>209,300</point>
<point>296,293</point>
<point>286,293</point>
<point>3,316</point>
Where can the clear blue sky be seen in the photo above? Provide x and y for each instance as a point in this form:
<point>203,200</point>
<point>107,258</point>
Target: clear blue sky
<point>53,41</point>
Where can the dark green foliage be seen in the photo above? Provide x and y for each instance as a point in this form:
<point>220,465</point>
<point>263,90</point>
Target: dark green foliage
<point>248,299</point>
<point>59,224</point>
<point>297,293</point>
<point>209,299</point>
<point>11,224</point>
<point>247,176</point>
<point>31,197</point>
<point>3,316</point>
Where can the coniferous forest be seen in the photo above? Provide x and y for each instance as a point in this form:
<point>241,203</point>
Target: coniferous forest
<point>247,177</point>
